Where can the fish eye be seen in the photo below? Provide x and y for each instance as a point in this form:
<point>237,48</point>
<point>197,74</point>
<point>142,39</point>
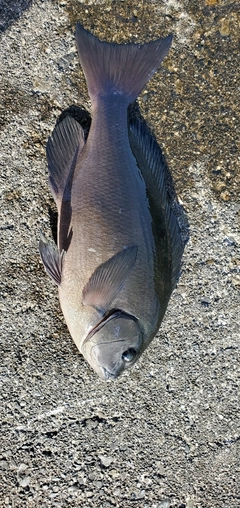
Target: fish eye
<point>129,355</point>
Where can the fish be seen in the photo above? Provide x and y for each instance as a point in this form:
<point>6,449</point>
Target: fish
<point>119,245</point>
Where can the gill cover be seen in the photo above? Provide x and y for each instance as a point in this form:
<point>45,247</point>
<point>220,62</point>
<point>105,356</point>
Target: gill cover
<point>113,345</point>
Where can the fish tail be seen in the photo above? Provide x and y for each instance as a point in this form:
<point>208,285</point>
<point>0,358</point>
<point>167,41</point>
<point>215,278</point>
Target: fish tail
<point>122,69</point>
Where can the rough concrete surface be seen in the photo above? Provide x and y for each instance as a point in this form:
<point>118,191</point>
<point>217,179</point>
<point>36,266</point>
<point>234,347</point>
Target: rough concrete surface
<point>166,433</point>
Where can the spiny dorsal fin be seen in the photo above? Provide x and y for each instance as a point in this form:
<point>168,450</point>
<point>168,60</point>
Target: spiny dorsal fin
<point>52,259</point>
<point>107,280</point>
<point>159,184</point>
<point>66,140</point>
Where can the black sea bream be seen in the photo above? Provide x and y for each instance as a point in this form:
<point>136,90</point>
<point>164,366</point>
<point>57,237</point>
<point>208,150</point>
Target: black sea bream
<point>119,243</point>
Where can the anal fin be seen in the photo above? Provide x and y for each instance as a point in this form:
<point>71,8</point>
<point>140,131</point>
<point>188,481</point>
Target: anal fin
<point>63,145</point>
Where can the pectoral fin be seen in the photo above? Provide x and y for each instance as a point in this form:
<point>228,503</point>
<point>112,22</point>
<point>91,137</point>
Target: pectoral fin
<point>107,280</point>
<point>52,259</point>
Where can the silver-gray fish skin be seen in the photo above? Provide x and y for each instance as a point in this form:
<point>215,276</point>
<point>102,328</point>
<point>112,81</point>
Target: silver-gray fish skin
<point>119,244</point>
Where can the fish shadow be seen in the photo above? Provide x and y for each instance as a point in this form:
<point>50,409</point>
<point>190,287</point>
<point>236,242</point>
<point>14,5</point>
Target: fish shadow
<point>10,11</point>
<point>80,114</point>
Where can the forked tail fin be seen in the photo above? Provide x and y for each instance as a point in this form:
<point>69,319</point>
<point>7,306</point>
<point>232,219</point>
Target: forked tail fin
<point>121,69</point>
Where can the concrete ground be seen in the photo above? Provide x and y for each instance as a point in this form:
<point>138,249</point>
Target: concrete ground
<point>165,434</point>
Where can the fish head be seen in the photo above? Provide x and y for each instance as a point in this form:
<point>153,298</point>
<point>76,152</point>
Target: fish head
<point>113,345</point>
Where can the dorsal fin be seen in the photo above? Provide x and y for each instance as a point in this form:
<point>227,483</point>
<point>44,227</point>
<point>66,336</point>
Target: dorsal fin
<point>108,278</point>
<point>159,185</point>
<point>66,140</point>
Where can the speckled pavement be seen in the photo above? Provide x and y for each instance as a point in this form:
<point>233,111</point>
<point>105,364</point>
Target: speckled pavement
<point>166,433</point>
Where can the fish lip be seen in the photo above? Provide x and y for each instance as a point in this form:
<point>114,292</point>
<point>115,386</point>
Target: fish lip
<point>106,375</point>
<point>109,376</point>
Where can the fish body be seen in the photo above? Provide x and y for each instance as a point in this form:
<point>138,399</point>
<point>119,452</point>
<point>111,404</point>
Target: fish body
<point>119,244</point>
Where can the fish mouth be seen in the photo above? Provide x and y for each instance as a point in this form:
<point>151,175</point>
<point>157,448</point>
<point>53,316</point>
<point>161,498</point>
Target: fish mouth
<point>108,376</point>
